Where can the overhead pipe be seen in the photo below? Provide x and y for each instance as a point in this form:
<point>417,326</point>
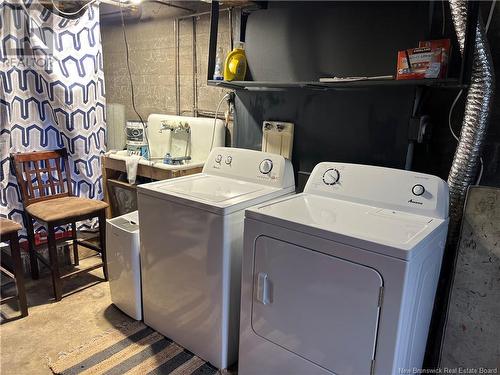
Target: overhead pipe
<point>202,13</point>
<point>119,3</point>
<point>195,70</point>
<point>169,4</point>
<point>177,67</point>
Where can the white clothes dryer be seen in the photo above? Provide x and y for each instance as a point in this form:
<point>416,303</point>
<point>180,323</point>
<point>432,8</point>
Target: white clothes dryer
<point>341,278</point>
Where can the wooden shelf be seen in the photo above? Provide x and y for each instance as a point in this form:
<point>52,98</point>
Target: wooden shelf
<point>270,86</point>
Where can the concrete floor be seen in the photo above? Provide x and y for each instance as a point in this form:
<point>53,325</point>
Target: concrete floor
<point>27,344</point>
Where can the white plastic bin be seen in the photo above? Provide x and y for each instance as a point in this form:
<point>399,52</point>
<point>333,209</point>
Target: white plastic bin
<point>124,267</point>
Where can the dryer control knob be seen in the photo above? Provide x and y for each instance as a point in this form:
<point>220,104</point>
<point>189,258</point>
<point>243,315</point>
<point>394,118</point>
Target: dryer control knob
<point>266,166</point>
<point>218,159</point>
<point>229,160</point>
<point>331,176</point>
<point>418,190</point>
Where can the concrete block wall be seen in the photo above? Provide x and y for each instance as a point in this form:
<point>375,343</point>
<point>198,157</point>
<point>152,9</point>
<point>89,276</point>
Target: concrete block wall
<point>152,61</point>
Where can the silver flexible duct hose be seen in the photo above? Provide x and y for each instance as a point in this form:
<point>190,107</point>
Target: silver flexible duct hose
<point>477,111</point>
<point>466,160</point>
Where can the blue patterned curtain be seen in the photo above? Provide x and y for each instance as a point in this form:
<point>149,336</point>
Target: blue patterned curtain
<point>51,95</point>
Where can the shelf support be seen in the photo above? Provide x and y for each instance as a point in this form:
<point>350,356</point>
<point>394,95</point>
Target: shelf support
<point>212,46</point>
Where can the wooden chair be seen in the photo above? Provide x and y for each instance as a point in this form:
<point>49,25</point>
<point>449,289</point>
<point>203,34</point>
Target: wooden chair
<point>8,232</point>
<point>44,179</point>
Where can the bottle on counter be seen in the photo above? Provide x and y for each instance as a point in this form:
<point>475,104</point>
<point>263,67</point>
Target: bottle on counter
<point>167,159</point>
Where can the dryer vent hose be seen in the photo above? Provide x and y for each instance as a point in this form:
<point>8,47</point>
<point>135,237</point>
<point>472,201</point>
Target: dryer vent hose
<point>475,122</point>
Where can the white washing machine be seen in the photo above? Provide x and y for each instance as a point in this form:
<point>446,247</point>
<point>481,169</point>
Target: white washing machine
<point>192,243</point>
<point>124,264</point>
<point>341,278</point>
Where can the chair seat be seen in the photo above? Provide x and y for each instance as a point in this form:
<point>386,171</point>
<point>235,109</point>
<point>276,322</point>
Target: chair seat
<point>8,226</point>
<point>64,208</point>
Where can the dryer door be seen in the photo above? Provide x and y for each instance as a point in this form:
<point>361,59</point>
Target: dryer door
<point>322,308</point>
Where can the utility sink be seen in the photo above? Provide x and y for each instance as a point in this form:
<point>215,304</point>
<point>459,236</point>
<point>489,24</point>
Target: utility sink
<point>196,143</point>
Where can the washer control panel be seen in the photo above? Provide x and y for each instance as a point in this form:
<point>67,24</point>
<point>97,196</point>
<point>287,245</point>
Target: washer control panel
<point>266,166</point>
<point>395,189</point>
<point>331,176</point>
<point>249,165</point>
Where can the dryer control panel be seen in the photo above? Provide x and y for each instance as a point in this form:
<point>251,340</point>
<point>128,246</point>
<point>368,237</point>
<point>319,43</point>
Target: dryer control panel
<point>395,189</point>
<point>249,165</point>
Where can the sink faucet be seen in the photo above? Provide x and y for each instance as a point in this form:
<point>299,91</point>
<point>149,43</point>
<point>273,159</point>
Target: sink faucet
<point>175,127</point>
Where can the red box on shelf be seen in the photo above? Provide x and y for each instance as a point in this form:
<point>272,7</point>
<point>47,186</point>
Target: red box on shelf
<point>429,60</point>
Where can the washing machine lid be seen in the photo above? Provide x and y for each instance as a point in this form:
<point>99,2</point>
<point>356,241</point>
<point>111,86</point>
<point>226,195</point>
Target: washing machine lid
<point>389,232</point>
<point>218,194</point>
<point>213,189</point>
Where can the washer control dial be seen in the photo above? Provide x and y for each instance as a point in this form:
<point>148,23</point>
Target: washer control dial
<point>218,159</point>
<point>229,159</point>
<point>418,190</point>
<point>331,176</point>
<point>266,166</point>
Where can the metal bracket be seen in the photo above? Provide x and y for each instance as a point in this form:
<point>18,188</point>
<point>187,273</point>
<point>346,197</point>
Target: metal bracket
<point>212,47</point>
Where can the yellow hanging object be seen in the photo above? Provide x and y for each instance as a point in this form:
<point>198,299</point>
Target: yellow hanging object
<point>235,67</point>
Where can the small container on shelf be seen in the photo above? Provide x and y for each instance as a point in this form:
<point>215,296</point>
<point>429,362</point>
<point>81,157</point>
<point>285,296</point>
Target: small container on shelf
<point>428,60</point>
<point>218,71</point>
<point>235,67</point>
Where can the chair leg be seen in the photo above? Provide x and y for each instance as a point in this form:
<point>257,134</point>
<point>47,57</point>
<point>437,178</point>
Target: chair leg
<point>35,273</point>
<point>76,257</point>
<point>67,255</point>
<point>102,242</point>
<point>18,273</point>
<point>54,265</point>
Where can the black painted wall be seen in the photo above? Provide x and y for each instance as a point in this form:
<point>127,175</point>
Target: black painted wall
<point>302,41</point>
<point>358,126</point>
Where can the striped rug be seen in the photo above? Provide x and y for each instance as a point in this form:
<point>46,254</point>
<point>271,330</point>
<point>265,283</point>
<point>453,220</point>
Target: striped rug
<point>133,349</point>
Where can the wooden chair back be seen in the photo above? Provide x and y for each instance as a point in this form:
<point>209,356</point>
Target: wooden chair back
<point>42,175</point>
